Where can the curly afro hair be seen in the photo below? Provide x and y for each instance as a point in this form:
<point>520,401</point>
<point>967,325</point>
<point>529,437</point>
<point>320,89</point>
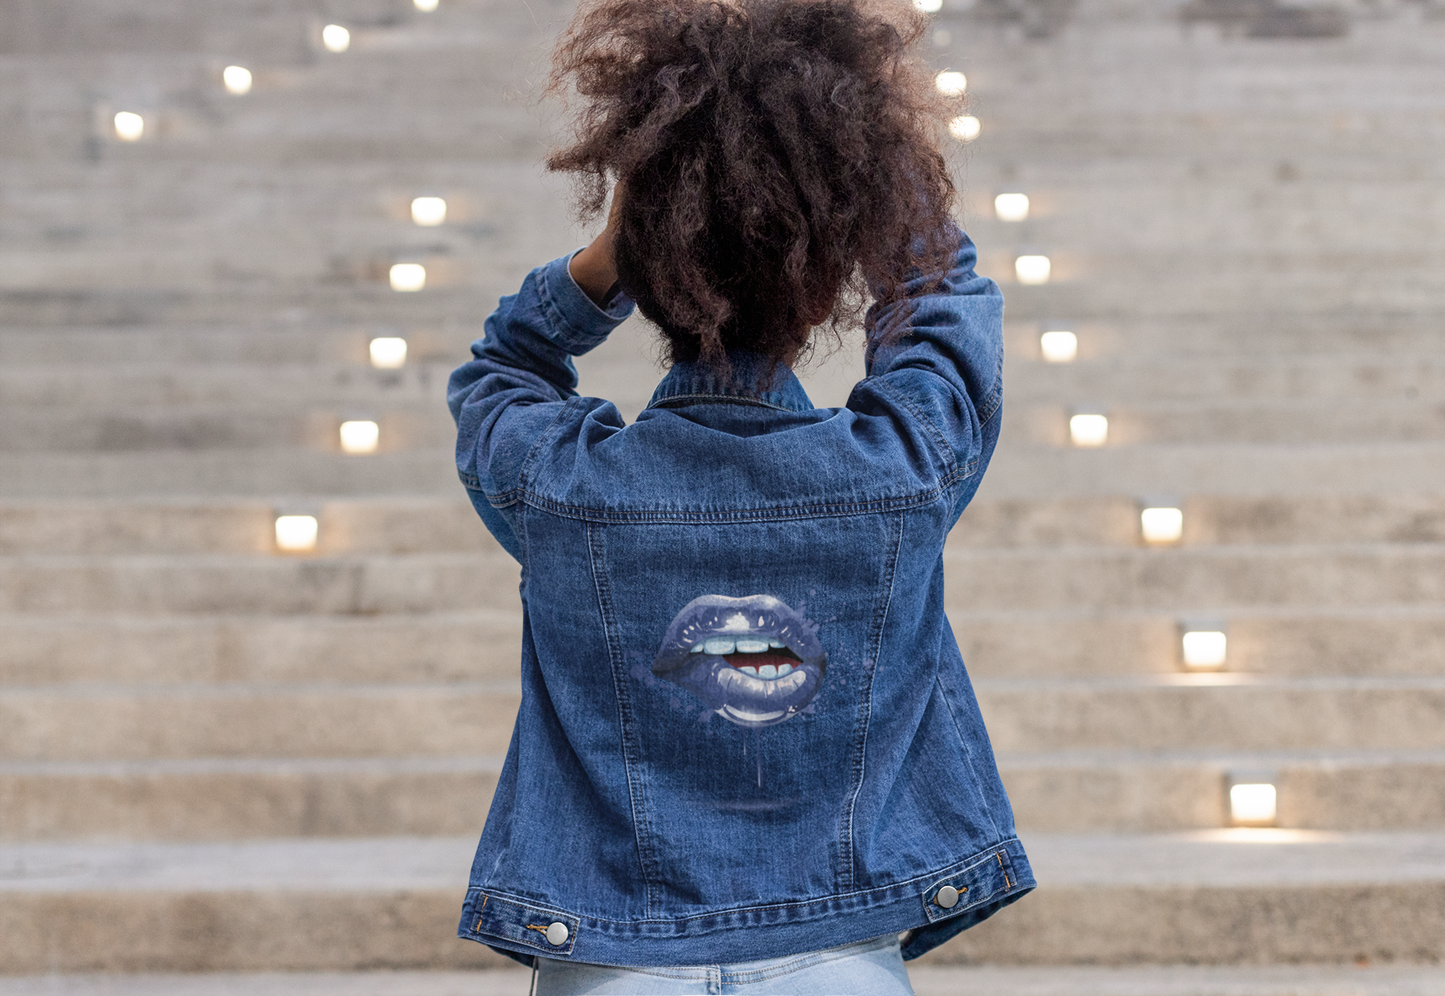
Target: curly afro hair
<point>779,161</point>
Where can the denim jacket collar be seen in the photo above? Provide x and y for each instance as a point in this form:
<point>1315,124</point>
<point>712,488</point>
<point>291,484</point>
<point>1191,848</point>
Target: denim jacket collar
<point>755,380</point>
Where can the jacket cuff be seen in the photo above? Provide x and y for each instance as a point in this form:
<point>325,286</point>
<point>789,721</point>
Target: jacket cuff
<point>574,322</point>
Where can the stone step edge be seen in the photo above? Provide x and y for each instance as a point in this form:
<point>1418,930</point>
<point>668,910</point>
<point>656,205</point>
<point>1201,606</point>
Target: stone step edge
<point>1342,979</point>
<point>1211,897</point>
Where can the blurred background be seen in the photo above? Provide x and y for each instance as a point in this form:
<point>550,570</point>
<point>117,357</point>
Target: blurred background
<point>258,656</point>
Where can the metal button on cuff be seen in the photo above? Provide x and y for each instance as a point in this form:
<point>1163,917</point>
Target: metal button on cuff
<point>947,897</point>
<point>557,934</point>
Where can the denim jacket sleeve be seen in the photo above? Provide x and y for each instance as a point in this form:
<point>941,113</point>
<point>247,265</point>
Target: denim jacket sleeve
<point>517,385</point>
<point>945,375</point>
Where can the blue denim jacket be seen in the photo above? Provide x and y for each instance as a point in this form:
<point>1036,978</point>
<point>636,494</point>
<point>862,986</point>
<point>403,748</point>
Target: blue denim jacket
<point>746,729</point>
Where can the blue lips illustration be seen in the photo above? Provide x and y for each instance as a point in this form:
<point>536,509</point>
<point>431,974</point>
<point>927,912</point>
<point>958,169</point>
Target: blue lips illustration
<point>752,659</point>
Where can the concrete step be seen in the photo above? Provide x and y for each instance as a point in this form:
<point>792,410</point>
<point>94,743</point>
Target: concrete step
<point>1304,642</point>
<point>486,645</point>
<point>1223,712</point>
<point>477,645</point>
<point>1018,471</point>
<point>424,423</point>
<point>273,475</point>
<point>176,722</point>
<point>406,526</point>
<point>302,905</point>
<point>396,526</point>
<point>1209,579</point>
<point>1201,422</point>
<point>1227,712</point>
<point>1070,791</point>
<point>1085,791</point>
<point>178,387</point>
<point>218,799</point>
<point>1267,341</point>
<point>1023,471</point>
<point>1347,979</point>
<point>1192,580</point>
<point>1220,897</point>
<point>353,585</point>
<point>1220,381</point>
<point>403,425</point>
<point>1225,385</point>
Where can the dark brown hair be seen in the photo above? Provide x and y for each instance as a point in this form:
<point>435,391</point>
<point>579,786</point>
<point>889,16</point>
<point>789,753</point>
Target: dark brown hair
<point>779,159</point>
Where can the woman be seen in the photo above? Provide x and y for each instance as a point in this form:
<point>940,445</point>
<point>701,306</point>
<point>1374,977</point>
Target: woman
<point>748,757</point>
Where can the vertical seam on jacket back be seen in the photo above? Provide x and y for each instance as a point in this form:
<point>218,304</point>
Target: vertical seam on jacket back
<point>635,791</point>
<point>967,750</point>
<point>875,641</point>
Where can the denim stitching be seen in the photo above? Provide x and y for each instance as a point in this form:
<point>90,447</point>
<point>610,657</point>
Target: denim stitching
<point>902,888</point>
<point>635,790</point>
<point>860,757</point>
<point>686,517</point>
<point>958,731</point>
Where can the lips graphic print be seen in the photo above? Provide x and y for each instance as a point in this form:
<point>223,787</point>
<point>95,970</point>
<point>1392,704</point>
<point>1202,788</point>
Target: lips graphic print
<point>754,660</point>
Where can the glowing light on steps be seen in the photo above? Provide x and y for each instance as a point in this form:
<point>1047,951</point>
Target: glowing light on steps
<point>951,84</point>
<point>1204,646</point>
<point>296,533</point>
<point>360,437</point>
<point>965,127</point>
<point>929,6</point>
<point>408,277</point>
<point>425,6</point>
<point>1089,429</point>
<point>335,38</point>
<point>237,79</point>
<point>1033,269</point>
<point>1011,207</point>
<point>1253,803</point>
<point>388,353</point>
<point>129,126</point>
<point>1059,346</point>
<point>428,211</point>
<point>1161,524</point>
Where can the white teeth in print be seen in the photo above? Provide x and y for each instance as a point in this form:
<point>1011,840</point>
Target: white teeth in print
<point>749,670</point>
<point>748,646</point>
<point>768,671</point>
<point>784,669</point>
<point>718,645</point>
<point>777,644</point>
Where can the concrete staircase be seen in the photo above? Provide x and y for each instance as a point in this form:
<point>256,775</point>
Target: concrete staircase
<point>221,759</point>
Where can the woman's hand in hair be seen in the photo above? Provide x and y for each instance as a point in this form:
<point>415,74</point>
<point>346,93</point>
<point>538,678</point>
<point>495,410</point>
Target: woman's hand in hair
<point>595,268</point>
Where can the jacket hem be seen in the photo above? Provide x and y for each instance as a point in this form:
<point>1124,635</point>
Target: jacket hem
<point>984,883</point>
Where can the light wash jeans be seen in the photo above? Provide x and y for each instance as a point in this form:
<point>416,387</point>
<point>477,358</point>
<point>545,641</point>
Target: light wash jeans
<point>867,968</point>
